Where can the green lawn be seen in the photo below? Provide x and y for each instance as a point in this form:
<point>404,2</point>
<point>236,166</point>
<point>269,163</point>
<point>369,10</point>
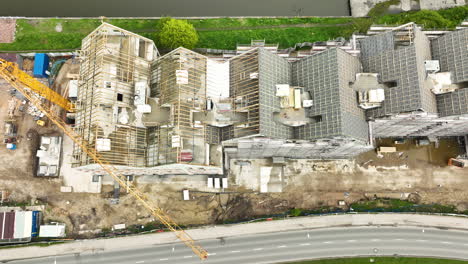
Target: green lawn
<point>226,33</point>
<point>223,33</point>
<point>286,37</point>
<point>382,260</point>
<point>252,22</point>
<point>395,205</point>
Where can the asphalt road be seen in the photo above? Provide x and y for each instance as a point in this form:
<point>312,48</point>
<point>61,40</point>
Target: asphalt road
<point>288,246</point>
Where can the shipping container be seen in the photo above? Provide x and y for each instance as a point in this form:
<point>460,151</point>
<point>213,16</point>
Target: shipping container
<point>18,226</point>
<point>41,65</point>
<point>57,230</point>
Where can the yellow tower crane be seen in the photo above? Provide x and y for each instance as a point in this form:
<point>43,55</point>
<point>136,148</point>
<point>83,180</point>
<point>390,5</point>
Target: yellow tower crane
<point>30,82</point>
<point>31,88</point>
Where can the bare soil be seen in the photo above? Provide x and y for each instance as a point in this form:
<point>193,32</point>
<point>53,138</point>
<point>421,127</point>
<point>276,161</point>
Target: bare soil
<point>418,170</point>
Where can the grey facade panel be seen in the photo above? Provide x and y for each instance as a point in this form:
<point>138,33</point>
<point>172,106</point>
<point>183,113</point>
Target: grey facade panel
<point>353,119</point>
<point>375,45</point>
<point>452,52</point>
<point>272,70</point>
<point>319,76</point>
<point>455,103</point>
<point>423,53</point>
<point>397,66</point>
<point>402,70</point>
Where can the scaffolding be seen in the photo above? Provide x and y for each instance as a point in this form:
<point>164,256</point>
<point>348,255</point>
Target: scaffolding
<point>113,60</point>
<point>244,89</point>
<point>179,82</point>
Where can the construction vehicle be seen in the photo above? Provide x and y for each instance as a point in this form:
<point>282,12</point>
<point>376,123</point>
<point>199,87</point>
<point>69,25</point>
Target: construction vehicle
<point>40,122</point>
<point>458,162</point>
<point>33,90</point>
<point>10,134</point>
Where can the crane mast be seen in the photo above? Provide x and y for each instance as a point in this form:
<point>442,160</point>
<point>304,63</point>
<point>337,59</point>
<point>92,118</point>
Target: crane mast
<point>33,90</point>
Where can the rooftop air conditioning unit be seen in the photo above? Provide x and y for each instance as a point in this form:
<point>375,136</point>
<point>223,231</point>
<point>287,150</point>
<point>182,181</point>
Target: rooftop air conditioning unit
<point>432,66</point>
<point>308,103</point>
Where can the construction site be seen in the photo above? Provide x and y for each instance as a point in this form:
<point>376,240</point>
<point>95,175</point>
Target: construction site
<point>209,138</point>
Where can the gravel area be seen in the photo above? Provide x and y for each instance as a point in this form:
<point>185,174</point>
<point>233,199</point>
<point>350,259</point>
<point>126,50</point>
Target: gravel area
<point>7,30</point>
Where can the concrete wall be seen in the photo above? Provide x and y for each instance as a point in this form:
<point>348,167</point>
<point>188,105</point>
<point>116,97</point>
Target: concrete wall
<point>360,8</point>
<point>440,4</point>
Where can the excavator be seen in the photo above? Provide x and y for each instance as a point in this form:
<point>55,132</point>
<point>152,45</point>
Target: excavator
<point>34,91</point>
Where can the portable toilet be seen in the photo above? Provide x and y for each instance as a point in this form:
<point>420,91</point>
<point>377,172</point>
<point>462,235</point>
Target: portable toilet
<point>224,182</point>
<point>186,194</point>
<point>210,182</point>
<point>41,64</point>
<point>217,183</point>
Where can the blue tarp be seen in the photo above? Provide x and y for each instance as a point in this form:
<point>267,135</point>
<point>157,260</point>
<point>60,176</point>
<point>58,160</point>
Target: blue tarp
<point>41,64</point>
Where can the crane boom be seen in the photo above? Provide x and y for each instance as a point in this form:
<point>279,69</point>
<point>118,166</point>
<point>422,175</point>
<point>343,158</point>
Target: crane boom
<point>13,75</point>
<point>38,87</point>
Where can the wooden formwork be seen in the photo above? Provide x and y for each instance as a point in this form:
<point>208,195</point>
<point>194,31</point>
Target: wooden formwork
<point>108,72</point>
<point>244,88</point>
<point>184,98</point>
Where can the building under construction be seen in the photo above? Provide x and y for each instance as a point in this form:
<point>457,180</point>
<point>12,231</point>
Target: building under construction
<point>179,85</point>
<point>303,109</point>
<point>425,82</point>
<point>187,110</point>
<point>114,79</point>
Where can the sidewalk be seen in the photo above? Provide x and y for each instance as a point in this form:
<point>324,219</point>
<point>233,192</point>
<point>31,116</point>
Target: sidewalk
<point>211,232</point>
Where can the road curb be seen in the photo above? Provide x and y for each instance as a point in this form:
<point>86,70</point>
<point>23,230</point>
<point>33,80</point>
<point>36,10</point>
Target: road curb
<point>213,232</point>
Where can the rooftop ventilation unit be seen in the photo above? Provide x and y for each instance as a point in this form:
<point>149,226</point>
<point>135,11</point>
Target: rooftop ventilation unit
<point>371,99</point>
<point>432,66</point>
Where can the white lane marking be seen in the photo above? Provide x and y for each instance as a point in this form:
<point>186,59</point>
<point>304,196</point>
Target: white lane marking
<point>398,239</point>
<point>420,240</point>
<point>211,254</point>
<point>351,241</point>
<point>141,261</point>
<point>375,240</point>
<point>327,242</point>
<point>305,244</point>
<point>163,259</point>
<point>188,256</point>
<point>235,251</point>
<point>445,242</point>
<point>282,246</point>
<point>465,244</point>
<point>257,249</point>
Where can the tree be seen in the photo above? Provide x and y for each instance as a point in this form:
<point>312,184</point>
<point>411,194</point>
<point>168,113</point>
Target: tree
<point>161,22</point>
<point>175,33</point>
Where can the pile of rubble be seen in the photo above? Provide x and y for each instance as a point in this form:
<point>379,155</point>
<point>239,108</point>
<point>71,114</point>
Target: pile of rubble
<point>34,112</point>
